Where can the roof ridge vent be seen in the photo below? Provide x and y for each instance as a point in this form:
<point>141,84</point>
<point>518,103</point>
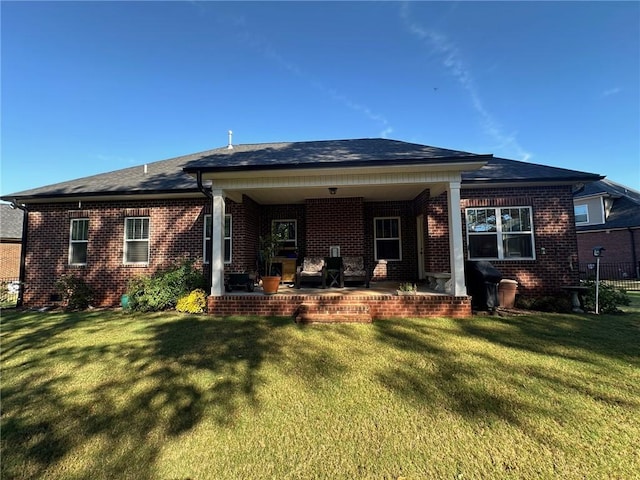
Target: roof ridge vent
<point>230,144</point>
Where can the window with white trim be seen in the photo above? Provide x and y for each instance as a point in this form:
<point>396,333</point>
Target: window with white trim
<point>387,239</point>
<point>581,213</point>
<point>288,230</point>
<point>208,228</point>
<point>500,233</point>
<point>136,240</point>
<point>78,241</point>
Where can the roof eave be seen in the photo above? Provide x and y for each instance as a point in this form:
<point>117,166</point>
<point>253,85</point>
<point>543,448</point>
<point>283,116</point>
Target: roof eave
<point>104,196</point>
<point>464,159</point>
<point>542,181</point>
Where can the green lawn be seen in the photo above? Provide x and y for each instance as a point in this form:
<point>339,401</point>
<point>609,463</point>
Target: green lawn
<point>108,395</point>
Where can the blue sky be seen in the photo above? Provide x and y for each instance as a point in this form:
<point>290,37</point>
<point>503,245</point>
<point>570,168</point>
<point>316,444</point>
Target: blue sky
<point>91,87</point>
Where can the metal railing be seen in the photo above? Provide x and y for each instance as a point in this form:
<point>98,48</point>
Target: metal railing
<point>623,275</point>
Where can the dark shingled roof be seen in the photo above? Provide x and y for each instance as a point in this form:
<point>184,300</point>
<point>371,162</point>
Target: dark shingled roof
<point>10,222</point>
<point>174,175</point>
<point>499,170</point>
<point>625,211</point>
<point>327,153</point>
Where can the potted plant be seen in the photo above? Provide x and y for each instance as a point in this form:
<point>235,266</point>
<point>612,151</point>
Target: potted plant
<point>269,248</point>
<point>407,288</point>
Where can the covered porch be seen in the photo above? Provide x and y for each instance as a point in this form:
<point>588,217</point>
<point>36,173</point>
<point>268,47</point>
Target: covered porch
<point>341,200</point>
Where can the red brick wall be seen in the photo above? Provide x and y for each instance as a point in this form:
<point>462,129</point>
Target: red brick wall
<point>334,222</point>
<point>618,246</point>
<point>176,231</point>
<point>10,261</point>
<point>380,307</point>
<point>554,230</point>
<point>437,244</point>
<point>405,269</point>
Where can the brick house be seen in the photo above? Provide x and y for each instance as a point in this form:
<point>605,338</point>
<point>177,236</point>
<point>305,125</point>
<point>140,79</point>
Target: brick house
<point>608,215</point>
<point>385,200</point>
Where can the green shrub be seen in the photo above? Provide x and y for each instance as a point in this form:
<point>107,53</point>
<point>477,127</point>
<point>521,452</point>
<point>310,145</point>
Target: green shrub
<point>162,290</point>
<point>545,303</point>
<point>609,298</point>
<point>75,292</point>
<point>195,302</point>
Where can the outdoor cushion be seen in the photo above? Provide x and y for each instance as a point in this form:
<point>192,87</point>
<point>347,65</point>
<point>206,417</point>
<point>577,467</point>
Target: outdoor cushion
<point>311,271</point>
<point>312,265</point>
<point>354,266</point>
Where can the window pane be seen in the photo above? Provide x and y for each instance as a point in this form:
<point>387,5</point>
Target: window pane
<point>80,229</point>
<point>286,229</point>
<point>79,252</point>
<point>227,250</point>
<point>207,226</point>
<point>227,226</point>
<point>483,246</point>
<point>137,228</point>
<point>517,246</point>
<point>388,249</point>
<point>387,228</point>
<point>137,252</point>
<point>481,220</point>
<point>581,214</point>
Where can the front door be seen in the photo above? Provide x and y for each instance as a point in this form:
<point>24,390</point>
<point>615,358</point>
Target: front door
<point>420,245</point>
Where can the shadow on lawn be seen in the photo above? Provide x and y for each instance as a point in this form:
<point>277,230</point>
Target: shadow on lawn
<point>445,377</point>
<point>451,369</point>
<point>568,336</point>
<point>117,424</point>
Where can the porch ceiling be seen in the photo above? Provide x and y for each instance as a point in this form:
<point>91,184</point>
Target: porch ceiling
<point>388,183</point>
<point>370,193</point>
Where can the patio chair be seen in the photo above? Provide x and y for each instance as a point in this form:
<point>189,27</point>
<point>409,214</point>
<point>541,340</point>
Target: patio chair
<point>355,271</point>
<point>311,271</point>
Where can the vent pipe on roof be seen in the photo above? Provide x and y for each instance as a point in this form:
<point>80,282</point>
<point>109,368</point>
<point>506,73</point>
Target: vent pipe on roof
<point>145,169</point>
<point>230,145</point>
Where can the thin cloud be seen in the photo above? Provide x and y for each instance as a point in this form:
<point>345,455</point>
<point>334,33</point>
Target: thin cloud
<point>611,91</point>
<point>450,56</point>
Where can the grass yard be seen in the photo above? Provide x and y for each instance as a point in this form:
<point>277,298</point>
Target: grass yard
<point>166,396</point>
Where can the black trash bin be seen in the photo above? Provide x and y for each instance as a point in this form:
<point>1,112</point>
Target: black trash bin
<point>482,281</point>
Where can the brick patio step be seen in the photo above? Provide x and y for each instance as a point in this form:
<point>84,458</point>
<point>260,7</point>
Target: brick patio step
<point>333,313</point>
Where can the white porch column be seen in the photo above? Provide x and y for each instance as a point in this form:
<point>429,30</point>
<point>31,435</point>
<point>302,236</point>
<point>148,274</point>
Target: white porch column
<point>217,241</point>
<point>456,249</point>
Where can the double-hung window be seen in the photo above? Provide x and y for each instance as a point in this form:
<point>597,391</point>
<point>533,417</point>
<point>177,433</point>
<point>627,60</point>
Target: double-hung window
<point>78,241</point>
<point>288,232</point>
<point>581,213</point>
<point>208,228</point>
<point>500,233</point>
<point>136,240</point>
<point>387,239</point>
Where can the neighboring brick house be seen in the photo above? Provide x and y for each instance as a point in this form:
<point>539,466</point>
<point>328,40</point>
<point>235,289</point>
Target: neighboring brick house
<point>10,242</point>
<point>608,215</point>
<point>385,200</point>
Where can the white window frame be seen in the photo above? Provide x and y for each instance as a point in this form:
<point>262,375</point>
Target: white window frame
<point>295,227</point>
<point>585,214</point>
<point>206,238</point>
<point>398,238</point>
<point>73,241</point>
<point>499,234</point>
<point>130,240</point>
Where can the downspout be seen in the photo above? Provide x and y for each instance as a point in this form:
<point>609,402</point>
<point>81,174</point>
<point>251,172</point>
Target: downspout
<point>23,250</point>
<point>633,252</point>
<point>201,187</point>
<point>209,195</point>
